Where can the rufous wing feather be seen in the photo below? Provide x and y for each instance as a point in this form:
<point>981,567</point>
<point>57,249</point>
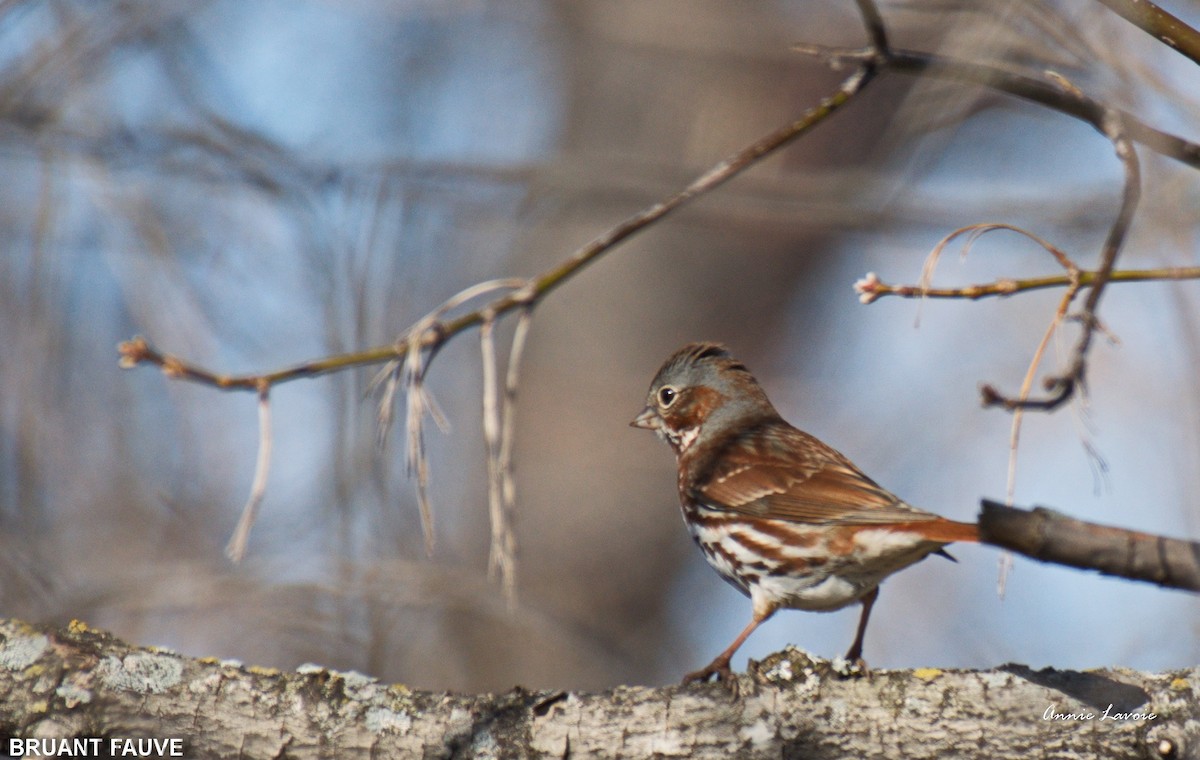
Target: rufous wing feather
<point>782,473</point>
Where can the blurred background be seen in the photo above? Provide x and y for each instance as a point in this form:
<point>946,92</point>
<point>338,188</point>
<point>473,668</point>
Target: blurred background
<point>254,184</point>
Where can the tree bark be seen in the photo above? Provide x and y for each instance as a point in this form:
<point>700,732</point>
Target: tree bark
<point>1049,536</point>
<point>80,682</point>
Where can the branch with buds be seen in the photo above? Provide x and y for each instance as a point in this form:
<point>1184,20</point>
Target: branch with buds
<point>407,360</point>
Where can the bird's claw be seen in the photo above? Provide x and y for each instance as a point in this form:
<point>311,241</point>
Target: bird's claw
<point>722,671</point>
<point>851,668</point>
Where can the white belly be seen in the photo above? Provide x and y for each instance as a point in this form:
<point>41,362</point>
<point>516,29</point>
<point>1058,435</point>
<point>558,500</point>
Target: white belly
<point>793,565</point>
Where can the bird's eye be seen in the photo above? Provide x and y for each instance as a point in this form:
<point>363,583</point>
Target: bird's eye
<point>667,396</point>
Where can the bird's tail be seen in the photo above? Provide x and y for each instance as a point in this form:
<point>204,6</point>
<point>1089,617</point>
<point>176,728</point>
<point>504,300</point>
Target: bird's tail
<point>947,531</point>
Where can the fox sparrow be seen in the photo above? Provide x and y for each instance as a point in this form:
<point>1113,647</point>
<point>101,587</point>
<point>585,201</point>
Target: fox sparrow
<point>783,517</point>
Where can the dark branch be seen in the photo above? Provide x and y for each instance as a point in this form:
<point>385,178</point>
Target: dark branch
<point>873,22</point>
<point>1156,22</point>
<point>1062,387</point>
<point>1050,536</point>
<point>1046,92</point>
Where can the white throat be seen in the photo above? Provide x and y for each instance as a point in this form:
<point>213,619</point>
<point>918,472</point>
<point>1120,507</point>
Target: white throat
<point>682,440</point>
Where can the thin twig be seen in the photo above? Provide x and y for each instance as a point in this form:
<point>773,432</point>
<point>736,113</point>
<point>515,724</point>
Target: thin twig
<point>508,426</point>
<point>1061,387</point>
<point>1159,24</point>
<point>236,548</point>
<point>424,334</point>
<point>1072,278</point>
<point>1014,438</point>
<point>416,404</point>
<point>506,546</point>
<point>1027,384</point>
<point>138,351</point>
<point>1047,91</point>
<point>500,554</point>
<point>876,30</point>
<point>972,233</point>
<point>406,360</point>
<point>409,371</point>
<point>389,377</point>
<point>871,288</point>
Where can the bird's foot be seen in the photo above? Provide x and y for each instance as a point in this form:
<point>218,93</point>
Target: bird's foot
<point>848,667</point>
<point>719,668</point>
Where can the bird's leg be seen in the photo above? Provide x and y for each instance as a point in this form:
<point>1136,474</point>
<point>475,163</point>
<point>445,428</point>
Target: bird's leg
<point>719,667</point>
<point>854,656</point>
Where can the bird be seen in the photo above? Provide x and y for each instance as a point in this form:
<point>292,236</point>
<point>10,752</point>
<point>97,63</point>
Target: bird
<point>786,519</point>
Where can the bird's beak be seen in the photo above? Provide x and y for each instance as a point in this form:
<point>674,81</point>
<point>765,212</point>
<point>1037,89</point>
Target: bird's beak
<point>648,419</point>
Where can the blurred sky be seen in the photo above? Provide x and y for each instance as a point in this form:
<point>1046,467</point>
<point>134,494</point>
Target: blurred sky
<point>253,184</point>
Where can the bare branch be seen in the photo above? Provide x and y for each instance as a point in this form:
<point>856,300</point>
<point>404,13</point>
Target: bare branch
<point>407,358</point>
<point>1049,536</point>
<point>138,351</point>
<point>1048,91</point>
<point>1159,24</point>
<point>870,288</point>
<point>1061,387</point>
<point>873,22</point>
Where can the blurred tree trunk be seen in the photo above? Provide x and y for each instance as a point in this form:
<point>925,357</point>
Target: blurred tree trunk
<point>79,682</point>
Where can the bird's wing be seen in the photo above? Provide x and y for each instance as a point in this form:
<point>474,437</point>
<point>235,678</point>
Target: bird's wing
<point>783,473</point>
